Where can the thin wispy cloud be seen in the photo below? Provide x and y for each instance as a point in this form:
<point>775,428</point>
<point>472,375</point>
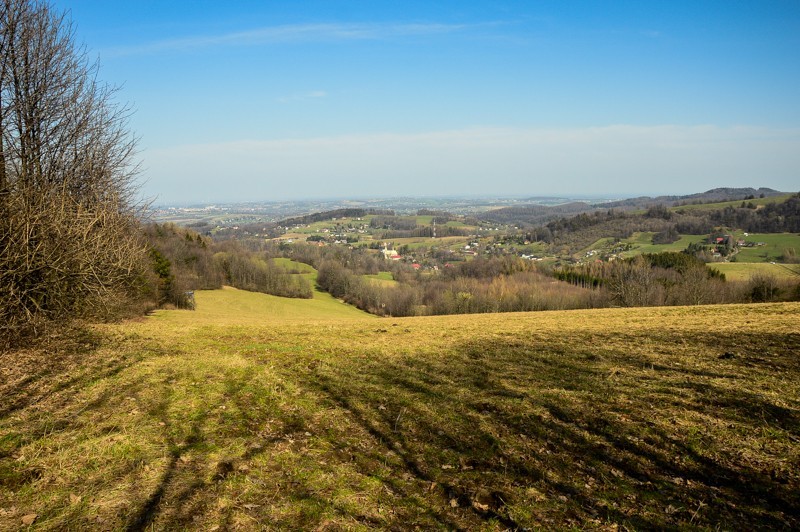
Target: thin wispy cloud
<point>290,33</point>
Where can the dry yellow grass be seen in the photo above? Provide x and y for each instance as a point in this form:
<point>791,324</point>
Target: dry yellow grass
<point>250,413</point>
<point>743,271</point>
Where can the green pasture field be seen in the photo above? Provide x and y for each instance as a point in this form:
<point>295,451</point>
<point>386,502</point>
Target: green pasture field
<point>382,278</point>
<point>293,265</point>
<point>723,204</point>
<point>364,239</point>
<point>742,271</point>
<point>294,236</point>
<point>234,307</point>
<point>413,243</point>
<point>776,244</point>
<point>309,274</point>
<point>258,413</point>
<point>317,227</point>
<point>601,244</point>
<point>460,225</point>
<point>642,243</point>
<point>538,248</point>
<point>426,220</point>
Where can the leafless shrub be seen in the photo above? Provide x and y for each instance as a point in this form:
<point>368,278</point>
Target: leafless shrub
<point>763,287</point>
<point>68,243</point>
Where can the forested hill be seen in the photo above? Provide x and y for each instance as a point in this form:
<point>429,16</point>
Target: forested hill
<point>580,230</point>
<point>779,217</point>
<point>713,195</point>
<point>528,216</point>
<point>331,215</point>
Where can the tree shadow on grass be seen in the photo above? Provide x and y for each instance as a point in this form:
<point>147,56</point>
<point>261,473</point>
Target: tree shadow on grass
<point>506,433</point>
<point>35,373</point>
<point>226,444</point>
<point>182,493</point>
<point>41,396</point>
<point>394,441</point>
<point>144,517</point>
<point>513,416</point>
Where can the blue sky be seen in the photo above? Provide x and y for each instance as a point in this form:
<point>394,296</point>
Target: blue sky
<point>272,100</point>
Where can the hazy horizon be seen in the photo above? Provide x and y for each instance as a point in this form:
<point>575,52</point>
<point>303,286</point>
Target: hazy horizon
<point>477,198</point>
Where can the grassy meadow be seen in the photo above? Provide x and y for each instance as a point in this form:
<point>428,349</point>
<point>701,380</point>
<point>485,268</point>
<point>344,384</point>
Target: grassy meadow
<point>255,412</point>
<point>743,271</point>
<point>774,246</point>
<point>643,243</point>
<point>382,279</point>
<point>736,203</point>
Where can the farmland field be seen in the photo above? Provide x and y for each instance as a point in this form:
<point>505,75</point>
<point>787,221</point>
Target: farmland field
<point>774,245</point>
<point>382,279</point>
<point>257,412</point>
<point>643,243</point>
<point>742,271</point>
<point>415,242</point>
<point>723,204</point>
<point>293,265</point>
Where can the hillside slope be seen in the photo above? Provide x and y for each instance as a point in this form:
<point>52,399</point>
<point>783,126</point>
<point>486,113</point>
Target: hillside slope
<point>232,417</point>
<point>713,195</point>
<point>233,307</point>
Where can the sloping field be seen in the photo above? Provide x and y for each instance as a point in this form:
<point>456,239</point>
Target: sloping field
<point>742,271</point>
<point>232,307</point>
<point>382,279</point>
<point>644,244</point>
<point>774,246</point>
<point>736,203</point>
<point>239,417</point>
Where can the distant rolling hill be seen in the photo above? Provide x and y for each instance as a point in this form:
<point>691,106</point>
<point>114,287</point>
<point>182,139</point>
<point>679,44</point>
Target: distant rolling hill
<point>713,195</point>
<point>539,214</point>
<point>529,215</point>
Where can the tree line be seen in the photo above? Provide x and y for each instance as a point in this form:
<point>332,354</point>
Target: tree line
<point>494,284</point>
<point>510,284</point>
<point>783,217</point>
<point>184,261</point>
<point>673,278</point>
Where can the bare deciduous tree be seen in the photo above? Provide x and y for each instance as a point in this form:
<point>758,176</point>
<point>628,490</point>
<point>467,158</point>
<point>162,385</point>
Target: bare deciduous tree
<point>67,209</point>
<point>633,284</point>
